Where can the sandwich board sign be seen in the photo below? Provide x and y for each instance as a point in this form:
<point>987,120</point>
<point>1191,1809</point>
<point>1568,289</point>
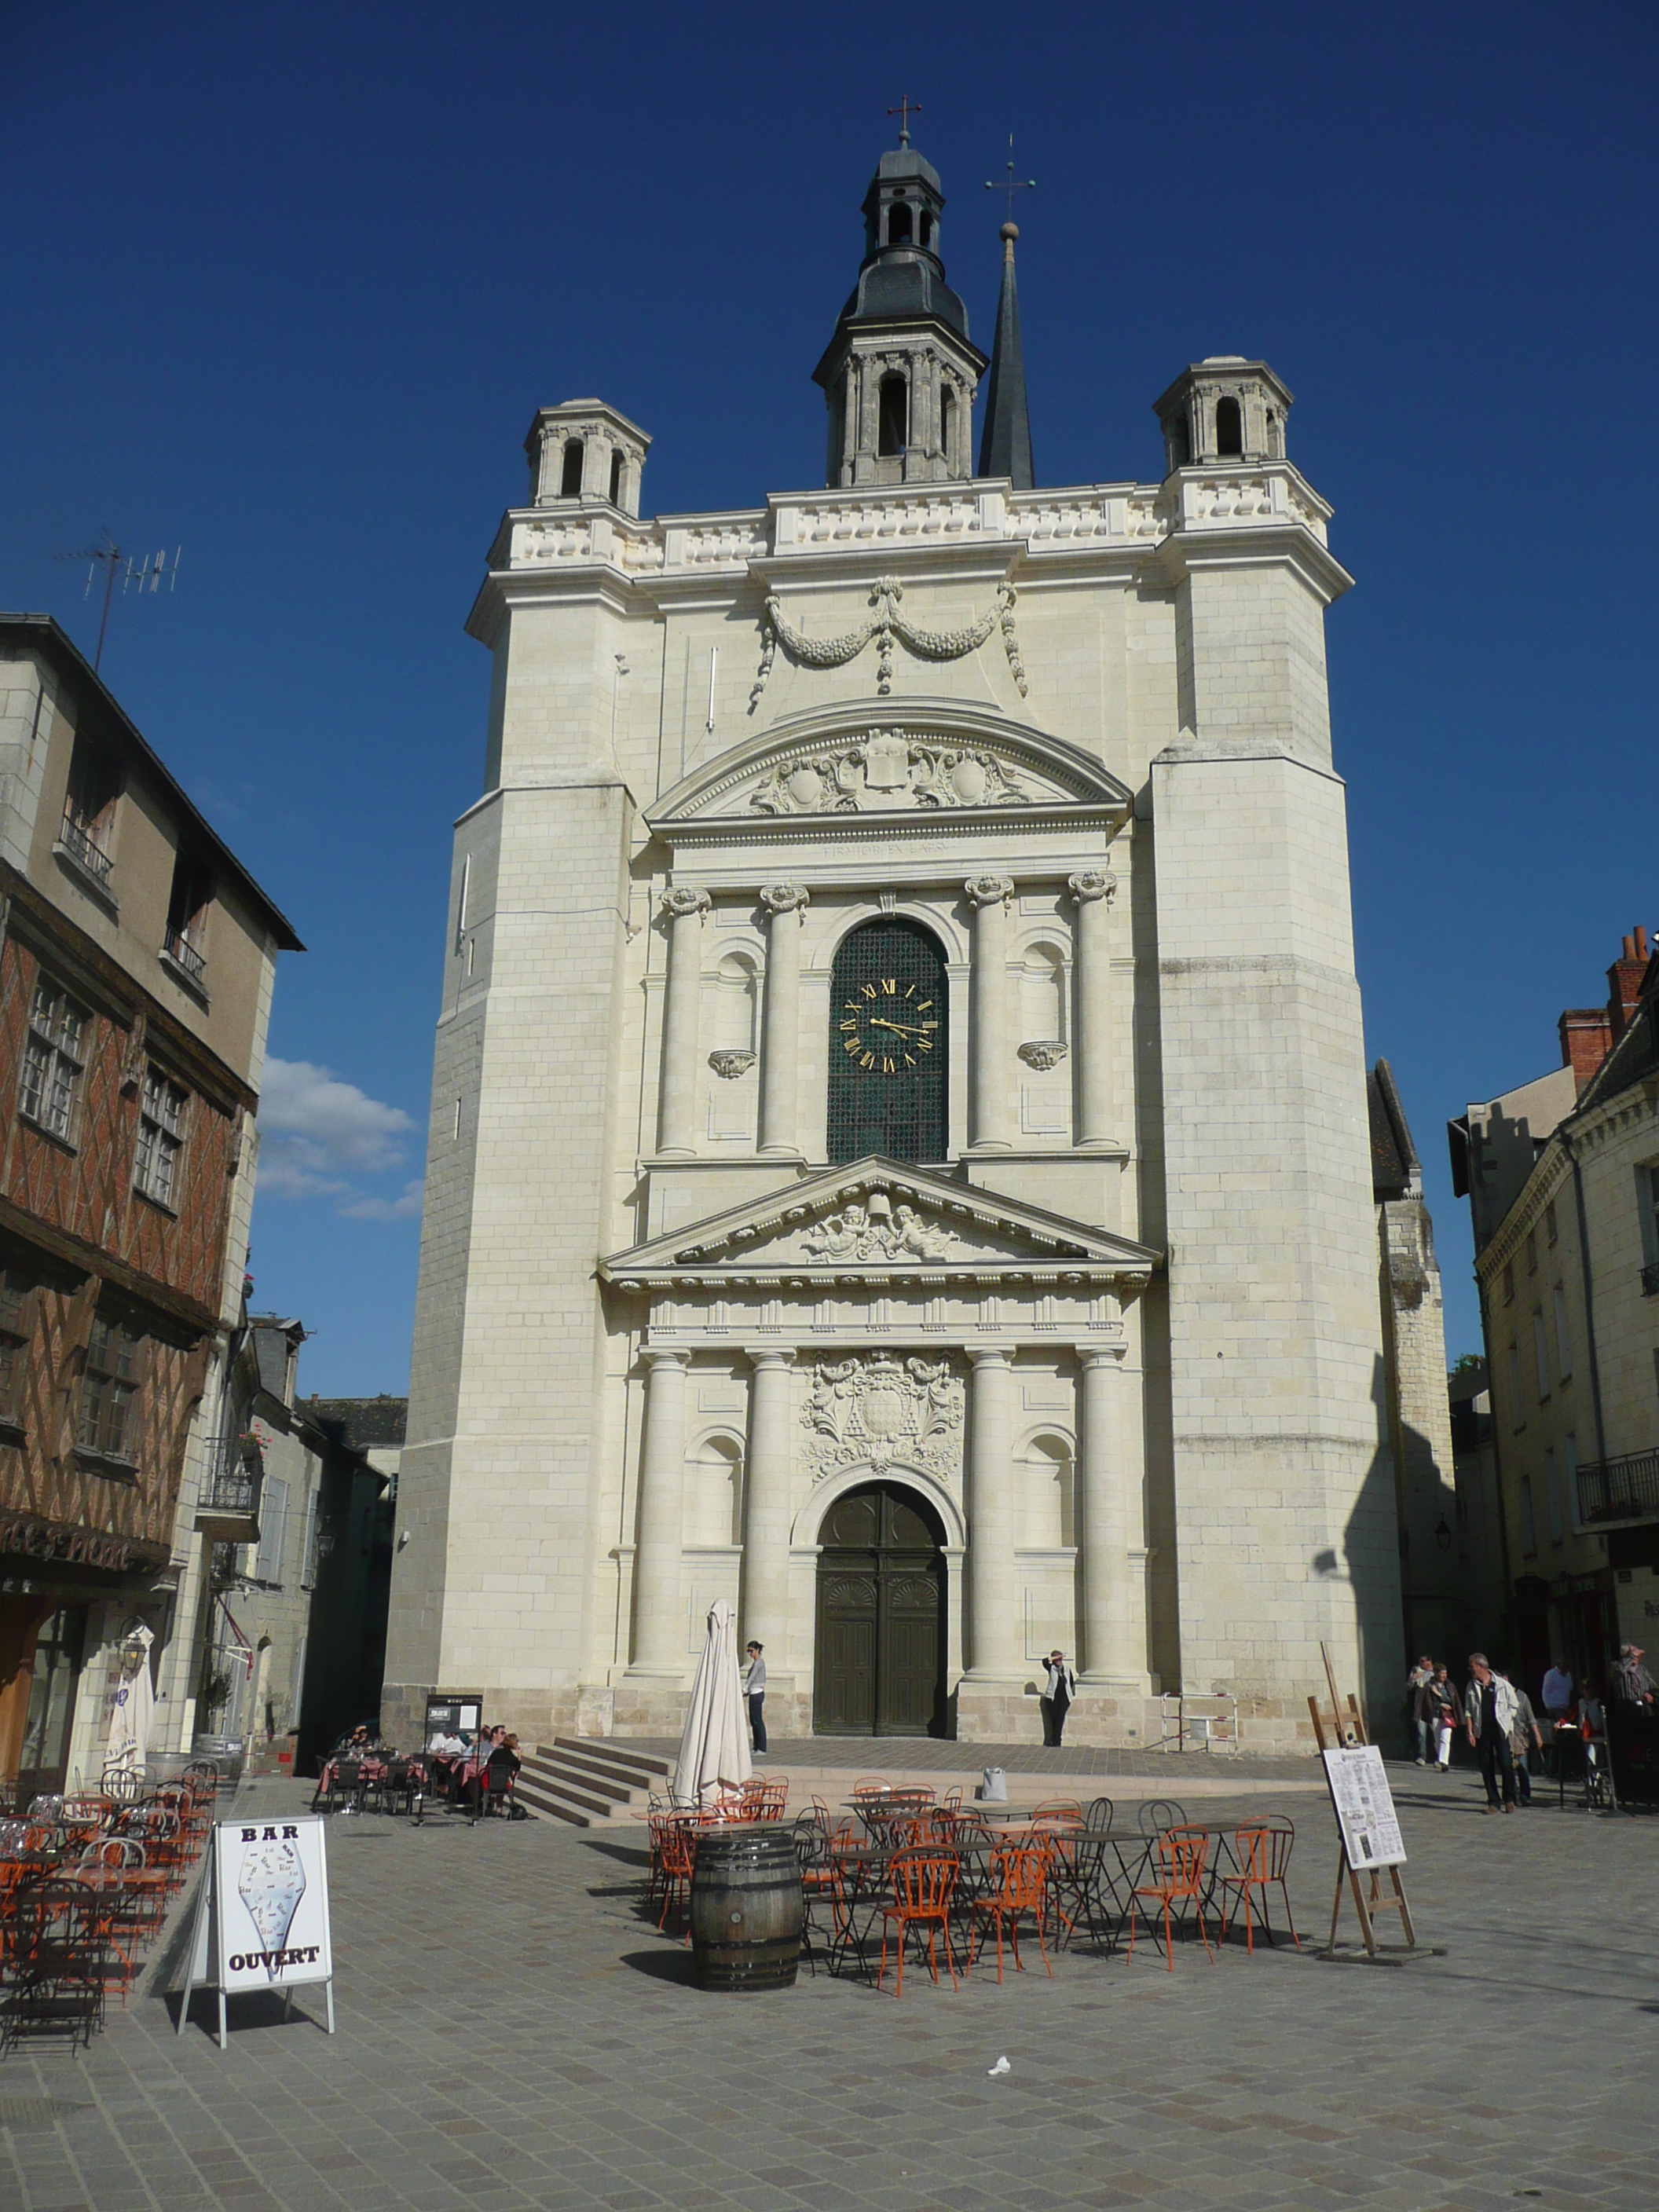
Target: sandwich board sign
<point>1364,1807</point>
<point>262,1920</point>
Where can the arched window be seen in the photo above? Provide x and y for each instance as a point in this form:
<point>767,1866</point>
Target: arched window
<point>1181,444</point>
<point>615,478</point>
<point>925,229</point>
<point>947,431</point>
<point>570,482</point>
<point>888,1044</point>
<point>1048,1517</point>
<point>1042,996</point>
<point>898,223</point>
<point>714,1501</point>
<point>1229,429</point>
<point>734,1022</point>
<point>895,419</point>
<point>1275,437</point>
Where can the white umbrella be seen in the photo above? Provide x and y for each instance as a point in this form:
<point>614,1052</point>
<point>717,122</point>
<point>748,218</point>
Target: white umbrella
<point>714,1747</point>
<point>135,1707</point>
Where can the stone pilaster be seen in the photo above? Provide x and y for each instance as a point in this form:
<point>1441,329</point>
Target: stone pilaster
<point>677,1107</point>
<point>1109,1511</point>
<point>659,1624</point>
<point>995,1642</point>
<point>1092,891</point>
<point>785,904</point>
<point>766,1503</point>
<point>989,1089</point>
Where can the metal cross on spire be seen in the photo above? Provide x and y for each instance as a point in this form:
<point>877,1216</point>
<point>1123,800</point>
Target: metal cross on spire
<point>906,108</point>
<point>1011,183</point>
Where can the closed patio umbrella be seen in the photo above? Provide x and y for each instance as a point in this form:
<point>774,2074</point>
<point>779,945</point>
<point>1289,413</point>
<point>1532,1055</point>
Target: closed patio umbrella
<point>714,1747</point>
<point>135,1707</point>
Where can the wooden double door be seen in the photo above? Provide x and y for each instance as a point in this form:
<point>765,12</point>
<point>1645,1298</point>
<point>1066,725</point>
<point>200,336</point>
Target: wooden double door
<point>881,1600</point>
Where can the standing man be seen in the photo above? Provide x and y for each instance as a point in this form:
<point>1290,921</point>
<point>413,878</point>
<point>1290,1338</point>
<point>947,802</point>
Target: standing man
<point>1417,1708</point>
<point>1557,1692</point>
<point>1058,1691</point>
<point>1527,1738</point>
<point>1632,1685</point>
<point>754,1691</point>
<point>1489,1711</point>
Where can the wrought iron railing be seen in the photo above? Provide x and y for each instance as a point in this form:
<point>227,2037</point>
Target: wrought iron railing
<point>78,839</point>
<point>1625,1489</point>
<point>231,1479</point>
<point>1650,1281</point>
<point>180,948</point>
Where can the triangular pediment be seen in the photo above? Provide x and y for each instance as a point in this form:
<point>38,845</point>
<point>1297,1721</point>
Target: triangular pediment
<point>926,757</point>
<point>886,1219</point>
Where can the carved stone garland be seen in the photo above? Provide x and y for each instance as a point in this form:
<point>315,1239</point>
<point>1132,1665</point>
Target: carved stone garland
<point>880,1409</point>
<point>884,626</point>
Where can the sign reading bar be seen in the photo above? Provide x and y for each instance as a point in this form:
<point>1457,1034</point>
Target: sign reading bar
<point>262,1922</point>
<point>1364,1807</point>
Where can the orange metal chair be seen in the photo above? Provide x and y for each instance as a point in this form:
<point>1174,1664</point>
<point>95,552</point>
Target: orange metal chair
<point>1185,1856</point>
<point>679,1864</point>
<point>1057,1810</point>
<point>1262,1855</point>
<point>1019,1879</point>
<point>924,1883</point>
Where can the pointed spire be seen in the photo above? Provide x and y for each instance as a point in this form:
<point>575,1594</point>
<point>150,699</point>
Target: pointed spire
<point>1005,446</point>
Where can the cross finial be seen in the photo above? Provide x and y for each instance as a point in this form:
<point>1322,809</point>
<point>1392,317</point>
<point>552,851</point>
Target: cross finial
<point>1011,183</point>
<point>906,108</point>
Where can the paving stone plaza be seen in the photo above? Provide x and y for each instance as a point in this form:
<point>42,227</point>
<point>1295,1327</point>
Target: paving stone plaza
<point>513,2033</point>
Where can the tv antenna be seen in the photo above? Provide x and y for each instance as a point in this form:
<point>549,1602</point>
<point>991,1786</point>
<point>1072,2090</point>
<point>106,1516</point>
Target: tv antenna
<point>138,574</point>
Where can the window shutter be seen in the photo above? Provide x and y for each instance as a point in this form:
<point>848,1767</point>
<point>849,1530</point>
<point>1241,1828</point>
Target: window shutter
<point>273,1530</point>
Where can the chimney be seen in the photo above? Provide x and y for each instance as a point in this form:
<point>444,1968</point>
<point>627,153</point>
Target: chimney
<point>1624,982</point>
<point>1586,1041</point>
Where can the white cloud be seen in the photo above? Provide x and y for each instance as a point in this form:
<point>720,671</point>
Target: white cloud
<point>387,1209</point>
<point>317,1133</point>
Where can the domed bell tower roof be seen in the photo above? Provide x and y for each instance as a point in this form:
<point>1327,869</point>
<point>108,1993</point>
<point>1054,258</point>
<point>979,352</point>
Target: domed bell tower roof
<point>900,373</point>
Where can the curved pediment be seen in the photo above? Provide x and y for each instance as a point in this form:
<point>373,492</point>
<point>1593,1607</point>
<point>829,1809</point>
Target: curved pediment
<point>876,758</point>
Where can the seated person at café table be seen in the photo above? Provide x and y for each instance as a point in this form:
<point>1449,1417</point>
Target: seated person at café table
<point>497,1774</point>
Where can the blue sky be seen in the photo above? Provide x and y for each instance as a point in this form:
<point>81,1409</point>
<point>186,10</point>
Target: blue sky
<point>287,285</point>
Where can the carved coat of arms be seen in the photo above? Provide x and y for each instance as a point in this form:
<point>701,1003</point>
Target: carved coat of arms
<point>883,1409</point>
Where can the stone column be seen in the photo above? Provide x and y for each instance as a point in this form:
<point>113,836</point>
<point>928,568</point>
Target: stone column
<point>781,1030</point>
<point>660,1626</point>
<point>989,1088</point>
<point>766,1504</point>
<point>996,1641</point>
<point>1109,1518</point>
<point>1092,890</point>
<point>677,1106</point>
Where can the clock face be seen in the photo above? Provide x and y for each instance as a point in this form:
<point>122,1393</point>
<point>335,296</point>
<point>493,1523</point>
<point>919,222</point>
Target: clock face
<point>886,1030</point>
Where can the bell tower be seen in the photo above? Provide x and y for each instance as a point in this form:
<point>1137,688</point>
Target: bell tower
<point>900,373</point>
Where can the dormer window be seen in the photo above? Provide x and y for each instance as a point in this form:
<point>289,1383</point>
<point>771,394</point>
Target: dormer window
<point>1229,429</point>
<point>570,479</point>
<point>94,785</point>
<point>184,944</point>
<point>898,223</point>
<point>894,426</point>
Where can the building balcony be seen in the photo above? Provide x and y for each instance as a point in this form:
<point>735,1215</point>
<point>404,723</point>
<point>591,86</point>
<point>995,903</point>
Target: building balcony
<point>1618,1491</point>
<point>228,1504</point>
<point>187,963</point>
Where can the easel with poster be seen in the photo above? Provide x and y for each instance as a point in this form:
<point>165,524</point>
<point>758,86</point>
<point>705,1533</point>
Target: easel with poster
<point>262,1919</point>
<point>1371,1843</point>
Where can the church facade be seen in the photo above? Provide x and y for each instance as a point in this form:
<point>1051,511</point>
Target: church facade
<point>898,1157</point>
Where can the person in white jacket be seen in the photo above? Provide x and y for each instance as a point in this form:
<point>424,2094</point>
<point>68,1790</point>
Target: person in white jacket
<point>1058,1692</point>
<point>1490,1706</point>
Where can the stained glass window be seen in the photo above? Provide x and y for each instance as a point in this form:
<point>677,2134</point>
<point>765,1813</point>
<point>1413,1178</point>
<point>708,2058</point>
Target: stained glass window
<point>889,1045</point>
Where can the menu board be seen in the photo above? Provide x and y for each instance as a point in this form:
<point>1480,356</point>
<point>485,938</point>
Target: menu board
<point>1364,1807</point>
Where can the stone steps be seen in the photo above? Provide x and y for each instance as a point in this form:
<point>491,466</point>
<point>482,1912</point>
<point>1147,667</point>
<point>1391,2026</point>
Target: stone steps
<point>585,1780</point>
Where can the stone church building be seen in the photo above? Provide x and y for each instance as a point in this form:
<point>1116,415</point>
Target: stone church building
<point>899,1157</point>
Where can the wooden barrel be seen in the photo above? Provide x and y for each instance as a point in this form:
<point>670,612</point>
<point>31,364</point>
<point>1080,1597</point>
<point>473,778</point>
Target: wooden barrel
<point>746,1907</point>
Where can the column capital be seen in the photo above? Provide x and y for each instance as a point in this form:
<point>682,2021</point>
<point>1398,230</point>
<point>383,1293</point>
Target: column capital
<point>1091,884</point>
<point>784,898</point>
<point>682,899</point>
<point>989,1355</point>
<point>665,1355</point>
<point>989,890</point>
<point>769,1355</point>
<point>1097,1356</point>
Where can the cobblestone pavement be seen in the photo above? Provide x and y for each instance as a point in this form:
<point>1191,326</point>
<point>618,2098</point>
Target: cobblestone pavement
<point>512,2034</point>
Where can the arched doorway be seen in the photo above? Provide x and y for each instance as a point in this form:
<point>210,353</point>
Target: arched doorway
<point>888,1044</point>
<point>881,1602</point>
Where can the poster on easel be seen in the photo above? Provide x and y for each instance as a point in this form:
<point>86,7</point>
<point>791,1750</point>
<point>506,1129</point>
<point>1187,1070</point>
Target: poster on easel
<point>1364,1807</point>
<point>262,1920</point>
